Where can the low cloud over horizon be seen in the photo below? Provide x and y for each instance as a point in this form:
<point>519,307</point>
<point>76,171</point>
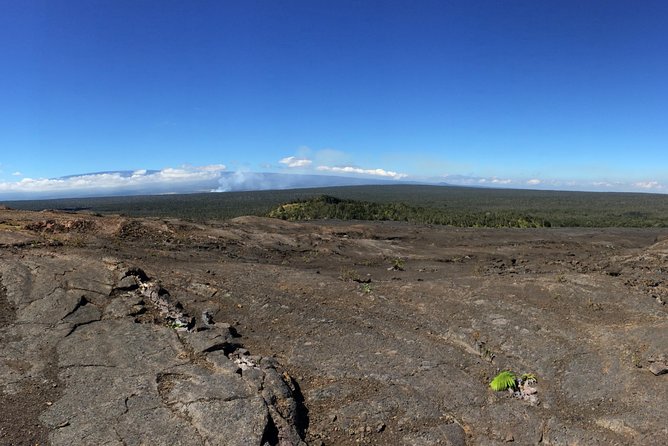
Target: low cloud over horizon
<point>154,181</point>
<point>307,173</point>
<point>184,179</point>
<point>556,184</point>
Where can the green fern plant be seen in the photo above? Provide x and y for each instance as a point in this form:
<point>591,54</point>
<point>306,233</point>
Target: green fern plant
<point>504,380</point>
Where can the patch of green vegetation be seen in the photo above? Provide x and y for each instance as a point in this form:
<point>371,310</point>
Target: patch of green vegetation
<point>503,381</point>
<point>509,380</point>
<point>366,288</point>
<point>325,207</point>
<point>529,377</point>
<point>398,264</point>
<point>459,206</point>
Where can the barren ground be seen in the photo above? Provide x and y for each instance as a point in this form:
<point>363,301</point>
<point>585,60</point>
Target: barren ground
<point>380,333</point>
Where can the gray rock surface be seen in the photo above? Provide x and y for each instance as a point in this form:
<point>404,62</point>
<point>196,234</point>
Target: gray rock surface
<point>126,375</point>
<point>254,331</point>
<point>658,368</point>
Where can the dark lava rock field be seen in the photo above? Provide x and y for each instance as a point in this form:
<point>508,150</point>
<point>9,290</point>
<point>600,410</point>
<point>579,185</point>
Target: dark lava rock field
<point>119,331</point>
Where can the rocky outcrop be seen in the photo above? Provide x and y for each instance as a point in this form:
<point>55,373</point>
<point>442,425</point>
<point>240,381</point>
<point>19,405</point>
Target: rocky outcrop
<point>132,366</point>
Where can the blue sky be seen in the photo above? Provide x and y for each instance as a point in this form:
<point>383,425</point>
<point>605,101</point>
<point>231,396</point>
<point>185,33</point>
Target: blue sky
<point>541,94</point>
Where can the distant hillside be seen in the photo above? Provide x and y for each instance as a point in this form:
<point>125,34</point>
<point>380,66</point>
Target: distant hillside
<point>468,205</point>
<point>326,207</point>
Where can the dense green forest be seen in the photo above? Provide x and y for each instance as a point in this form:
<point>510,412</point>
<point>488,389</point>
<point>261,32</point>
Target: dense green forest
<point>328,207</point>
<point>459,206</point>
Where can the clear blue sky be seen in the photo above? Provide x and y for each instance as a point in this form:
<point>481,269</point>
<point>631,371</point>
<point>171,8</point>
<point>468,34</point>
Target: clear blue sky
<point>547,94</point>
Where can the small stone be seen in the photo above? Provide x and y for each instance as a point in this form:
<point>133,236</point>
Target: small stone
<point>268,362</point>
<point>532,399</point>
<point>528,390</point>
<point>380,428</point>
<point>207,317</point>
<point>128,283</point>
<point>658,368</point>
<point>509,437</point>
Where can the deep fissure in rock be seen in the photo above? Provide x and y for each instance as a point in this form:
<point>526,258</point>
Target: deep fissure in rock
<point>7,310</point>
<point>270,434</point>
<point>302,416</point>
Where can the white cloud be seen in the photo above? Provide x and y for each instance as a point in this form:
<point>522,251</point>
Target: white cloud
<point>494,180</point>
<point>465,180</point>
<point>17,174</point>
<point>357,170</point>
<point>211,168</point>
<point>175,174</point>
<point>557,184</point>
<point>101,182</point>
<point>188,172</point>
<point>648,185</point>
<point>293,161</point>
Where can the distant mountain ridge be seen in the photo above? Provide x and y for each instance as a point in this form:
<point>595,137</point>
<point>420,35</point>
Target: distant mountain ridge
<point>157,182</point>
<point>124,173</point>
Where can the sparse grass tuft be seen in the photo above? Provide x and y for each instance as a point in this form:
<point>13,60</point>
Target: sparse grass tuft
<point>349,274</point>
<point>398,264</point>
<point>366,288</point>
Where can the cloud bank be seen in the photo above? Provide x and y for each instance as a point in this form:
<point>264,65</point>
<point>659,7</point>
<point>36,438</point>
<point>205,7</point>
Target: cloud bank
<point>556,184</point>
<point>649,185</point>
<point>168,180</point>
<point>321,168</point>
<point>357,170</point>
<point>323,156</point>
<point>186,179</point>
<point>294,162</point>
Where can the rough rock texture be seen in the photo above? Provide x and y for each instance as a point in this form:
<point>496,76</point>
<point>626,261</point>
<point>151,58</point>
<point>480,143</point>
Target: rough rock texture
<point>119,331</point>
<point>125,363</point>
